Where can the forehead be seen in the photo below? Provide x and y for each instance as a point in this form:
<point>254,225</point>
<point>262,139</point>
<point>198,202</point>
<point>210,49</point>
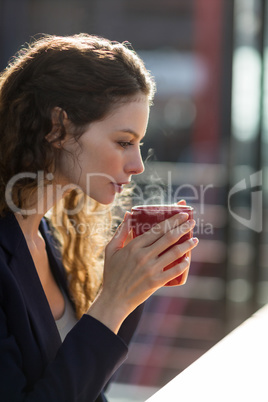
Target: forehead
<point>124,103</point>
<point>131,112</point>
<point>128,117</point>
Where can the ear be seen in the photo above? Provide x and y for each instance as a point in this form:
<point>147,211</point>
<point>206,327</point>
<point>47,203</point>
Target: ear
<point>58,118</point>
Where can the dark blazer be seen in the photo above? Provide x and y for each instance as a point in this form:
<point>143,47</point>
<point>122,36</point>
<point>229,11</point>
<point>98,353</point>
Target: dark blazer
<point>34,364</point>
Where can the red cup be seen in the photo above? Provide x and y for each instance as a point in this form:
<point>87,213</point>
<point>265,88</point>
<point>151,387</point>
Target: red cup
<point>144,217</point>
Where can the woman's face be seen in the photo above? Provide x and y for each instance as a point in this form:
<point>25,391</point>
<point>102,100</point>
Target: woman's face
<point>107,154</point>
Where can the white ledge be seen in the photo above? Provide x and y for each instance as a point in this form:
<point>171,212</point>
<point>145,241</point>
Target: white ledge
<point>234,370</point>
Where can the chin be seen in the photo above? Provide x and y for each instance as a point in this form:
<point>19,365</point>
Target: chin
<point>104,195</point>
<point>104,200</point>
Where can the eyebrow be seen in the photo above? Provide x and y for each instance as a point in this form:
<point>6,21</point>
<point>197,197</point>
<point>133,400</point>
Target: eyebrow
<point>130,131</point>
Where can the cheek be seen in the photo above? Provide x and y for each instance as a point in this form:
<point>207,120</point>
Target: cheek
<point>112,158</point>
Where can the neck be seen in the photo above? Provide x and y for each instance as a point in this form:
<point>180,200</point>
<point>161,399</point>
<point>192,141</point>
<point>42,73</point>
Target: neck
<point>29,225</point>
<point>39,205</point>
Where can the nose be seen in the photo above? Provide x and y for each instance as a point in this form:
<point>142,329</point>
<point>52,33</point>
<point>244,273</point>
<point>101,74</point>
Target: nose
<point>135,164</point>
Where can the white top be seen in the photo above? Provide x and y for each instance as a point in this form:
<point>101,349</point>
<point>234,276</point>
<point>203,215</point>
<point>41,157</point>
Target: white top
<point>67,320</point>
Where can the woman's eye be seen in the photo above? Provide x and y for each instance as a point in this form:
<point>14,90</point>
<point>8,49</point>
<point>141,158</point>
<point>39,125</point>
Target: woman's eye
<point>125,144</point>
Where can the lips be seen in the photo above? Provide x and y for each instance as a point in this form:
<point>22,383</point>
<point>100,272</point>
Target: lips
<point>119,187</point>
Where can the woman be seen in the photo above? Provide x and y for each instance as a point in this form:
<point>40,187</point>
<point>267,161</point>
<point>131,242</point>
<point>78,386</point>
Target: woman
<point>73,112</point>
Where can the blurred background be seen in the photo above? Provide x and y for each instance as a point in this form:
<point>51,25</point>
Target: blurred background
<point>207,142</point>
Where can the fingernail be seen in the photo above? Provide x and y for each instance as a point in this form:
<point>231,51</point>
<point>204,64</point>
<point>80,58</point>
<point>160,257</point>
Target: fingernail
<point>184,215</point>
<point>195,240</point>
<point>126,216</point>
<point>191,222</point>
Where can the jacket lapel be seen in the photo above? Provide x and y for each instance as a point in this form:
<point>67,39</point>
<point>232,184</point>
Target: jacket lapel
<point>23,268</point>
<point>54,257</point>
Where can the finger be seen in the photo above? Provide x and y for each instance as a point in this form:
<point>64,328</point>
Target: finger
<point>160,229</point>
<point>182,202</point>
<point>129,238</point>
<point>176,271</point>
<point>172,236</point>
<point>177,251</point>
<point>121,234</point>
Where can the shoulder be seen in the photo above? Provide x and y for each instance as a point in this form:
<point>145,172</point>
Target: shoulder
<point>5,272</point>
<point>10,239</point>
<point>10,233</point>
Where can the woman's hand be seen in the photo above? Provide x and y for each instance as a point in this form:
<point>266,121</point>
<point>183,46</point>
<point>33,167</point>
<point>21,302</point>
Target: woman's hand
<point>134,271</point>
<point>181,202</point>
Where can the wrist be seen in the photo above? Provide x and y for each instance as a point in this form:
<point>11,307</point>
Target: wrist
<point>107,312</point>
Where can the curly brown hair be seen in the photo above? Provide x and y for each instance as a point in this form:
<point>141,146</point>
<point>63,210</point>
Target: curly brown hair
<point>85,77</point>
